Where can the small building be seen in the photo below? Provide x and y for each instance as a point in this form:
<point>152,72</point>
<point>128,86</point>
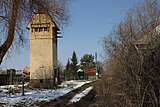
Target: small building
<point>90,73</point>
<point>148,39</point>
<point>87,73</point>
<point>148,48</point>
<point>147,43</point>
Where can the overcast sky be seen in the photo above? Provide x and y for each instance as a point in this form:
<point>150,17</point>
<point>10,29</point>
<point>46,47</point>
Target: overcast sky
<point>90,21</point>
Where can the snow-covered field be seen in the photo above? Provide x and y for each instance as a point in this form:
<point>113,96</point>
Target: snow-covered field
<point>33,98</point>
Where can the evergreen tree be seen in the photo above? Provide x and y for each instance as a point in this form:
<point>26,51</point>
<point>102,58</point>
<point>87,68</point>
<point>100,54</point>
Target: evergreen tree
<point>68,70</point>
<point>74,65</point>
<point>87,61</point>
<point>68,65</point>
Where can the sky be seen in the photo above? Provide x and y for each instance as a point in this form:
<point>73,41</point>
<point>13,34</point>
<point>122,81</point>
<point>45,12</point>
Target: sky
<point>90,21</point>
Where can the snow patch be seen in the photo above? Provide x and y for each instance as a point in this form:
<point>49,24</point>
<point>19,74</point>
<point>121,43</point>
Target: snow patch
<point>78,97</point>
<point>33,96</point>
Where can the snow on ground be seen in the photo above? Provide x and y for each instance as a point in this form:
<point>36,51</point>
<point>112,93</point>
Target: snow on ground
<point>33,96</point>
<point>78,96</point>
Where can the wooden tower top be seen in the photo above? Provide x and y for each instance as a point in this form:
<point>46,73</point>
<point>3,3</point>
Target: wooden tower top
<point>42,25</point>
<point>42,19</point>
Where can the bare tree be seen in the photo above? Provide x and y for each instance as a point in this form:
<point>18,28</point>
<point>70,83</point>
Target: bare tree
<point>15,13</point>
<point>131,78</point>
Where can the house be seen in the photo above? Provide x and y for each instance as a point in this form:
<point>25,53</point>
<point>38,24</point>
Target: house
<point>148,48</point>
<point>148,39</point>
<point>90,73</point>
<point>87,73</point>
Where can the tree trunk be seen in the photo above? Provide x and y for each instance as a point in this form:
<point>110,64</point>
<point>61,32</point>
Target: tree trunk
<point>11,29</point>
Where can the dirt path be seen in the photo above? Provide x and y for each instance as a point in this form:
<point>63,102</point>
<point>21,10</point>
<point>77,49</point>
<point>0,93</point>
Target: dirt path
<point>63,101</point>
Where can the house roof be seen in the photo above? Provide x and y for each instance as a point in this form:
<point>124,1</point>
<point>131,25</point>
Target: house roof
<point>148,36</point>
<point>89,70</point>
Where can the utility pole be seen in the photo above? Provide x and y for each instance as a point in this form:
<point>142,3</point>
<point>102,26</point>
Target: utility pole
<point>96,66</point>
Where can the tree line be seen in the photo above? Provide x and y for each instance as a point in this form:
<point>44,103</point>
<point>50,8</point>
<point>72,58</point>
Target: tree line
<point>72,66</point>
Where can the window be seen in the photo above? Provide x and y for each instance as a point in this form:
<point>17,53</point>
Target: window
<point>46,29</point>
<point>31,29</point>
<point>40,29</point>
<point>36,29</point>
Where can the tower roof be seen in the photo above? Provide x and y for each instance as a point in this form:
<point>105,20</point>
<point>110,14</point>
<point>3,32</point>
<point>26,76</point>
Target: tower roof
<point>42,17</point>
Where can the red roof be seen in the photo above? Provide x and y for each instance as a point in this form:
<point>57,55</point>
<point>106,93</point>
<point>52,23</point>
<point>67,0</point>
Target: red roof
<point>90,70</point>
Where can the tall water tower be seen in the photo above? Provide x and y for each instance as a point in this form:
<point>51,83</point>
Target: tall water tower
<point>43,50</point>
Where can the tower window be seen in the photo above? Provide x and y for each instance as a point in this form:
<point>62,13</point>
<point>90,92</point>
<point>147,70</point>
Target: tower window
<point>40,29</point>
<point>36,29</point>
<point>46,29</point>
<point>31,29</point>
